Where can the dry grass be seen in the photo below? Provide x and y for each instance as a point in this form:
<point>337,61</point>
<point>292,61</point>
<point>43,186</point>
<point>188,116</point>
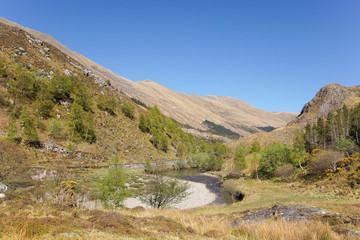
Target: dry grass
<point>282,230</point>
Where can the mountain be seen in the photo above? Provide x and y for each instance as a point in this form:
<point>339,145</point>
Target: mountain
<point>235,116</point>
<point>329,99</point>
<point>47,99</point>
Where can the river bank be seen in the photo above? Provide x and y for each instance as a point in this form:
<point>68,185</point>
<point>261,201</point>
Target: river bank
<point>203,190</point>
<point>199,195</point>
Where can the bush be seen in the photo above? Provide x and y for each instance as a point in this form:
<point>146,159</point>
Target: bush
<point>144,124</point>
<point>29,132</point>
<point>159,139</point>
<point>107,104</point>
<point>112,188</point>
<point>26,85</point>
<point>231,192</point>
<point>4,99</point>
<point>274,156</point>
<point>82,124</point>
<point>65,194</point>
<point>128,109</point>
<point>56,129</point>
<point>285,171</point>
<point>325,160</point>
<point>255,147</point>
<point>239,158</point>
<point>205,161</point>
<point>347,146</point>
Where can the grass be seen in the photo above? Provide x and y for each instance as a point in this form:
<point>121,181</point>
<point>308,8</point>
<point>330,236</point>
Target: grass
<point>21,218</point>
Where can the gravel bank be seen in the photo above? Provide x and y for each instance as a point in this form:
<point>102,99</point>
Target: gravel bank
<point>199,196</point>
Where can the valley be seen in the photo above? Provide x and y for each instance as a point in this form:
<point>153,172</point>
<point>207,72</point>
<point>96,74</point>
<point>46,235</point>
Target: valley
<point>87,154</point>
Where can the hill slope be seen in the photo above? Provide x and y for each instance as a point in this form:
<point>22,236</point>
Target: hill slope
<point>233,114</point>
<point>329,99</point>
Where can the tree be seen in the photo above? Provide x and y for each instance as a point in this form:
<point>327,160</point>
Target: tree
<point>107,104</point>
<point>163,192</point>
<point>144,123</point>
<point>11,133</point>
<point>347,146</point>
<point>29,132</point>
<point>82,124</point>
<point>255,147</point>
<point>56,129</point>
<point>239,158</point>
<point>112,188</point>
<point>181,150</point>
<point>325,160</point>
<point>274,156</point>
<point>128,109</point>
<point>299,146</point>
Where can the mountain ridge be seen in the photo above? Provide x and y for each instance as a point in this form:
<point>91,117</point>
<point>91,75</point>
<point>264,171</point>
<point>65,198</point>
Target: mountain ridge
<point>191,110</point>
<point>327,100</point>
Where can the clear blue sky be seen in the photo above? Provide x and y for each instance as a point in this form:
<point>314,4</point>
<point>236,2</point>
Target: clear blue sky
<point>273,54</point>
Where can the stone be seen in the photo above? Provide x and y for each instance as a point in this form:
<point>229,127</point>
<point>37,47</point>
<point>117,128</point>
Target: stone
<point>47,49</point>
<point>71,235</point>
<point>3,187</point>
<point>67,72</point>
<point>288,213</point>
<point>42,52</point>
<point>22,49</point>
<point>2,195</point>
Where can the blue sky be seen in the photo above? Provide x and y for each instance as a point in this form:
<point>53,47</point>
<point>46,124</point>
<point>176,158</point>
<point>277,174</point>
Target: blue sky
<point>274,54</point>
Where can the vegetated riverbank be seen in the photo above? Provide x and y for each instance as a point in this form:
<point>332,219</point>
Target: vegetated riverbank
<point>21,219</point>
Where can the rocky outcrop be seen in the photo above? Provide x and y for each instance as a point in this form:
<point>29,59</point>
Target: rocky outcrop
<point>301,213</point>
<point>288,213</point>
<point>330,98</point>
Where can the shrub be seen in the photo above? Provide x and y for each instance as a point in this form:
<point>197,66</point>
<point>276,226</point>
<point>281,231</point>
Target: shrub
<point>65,194</point>
<point>255,147</point>
<point>107,104</point>
<point>205,161</point>
<point>11,133</point>
<point>159,139</point>
<point>231,192</point>
<point>274,156</point>
<point>60,87</point>
<point>4,99</point>
<point>82,124</point>
<point>26,85</point>
<point>239,158</point>
<point>128,109</point>
<point>29,132</point>
<point>56,129</point>
<point>112,188</point>
<point>325,160</point>
<point>144,124</point>
<point>347,146</point>
<point>285,171</point>
<point>181,150</point>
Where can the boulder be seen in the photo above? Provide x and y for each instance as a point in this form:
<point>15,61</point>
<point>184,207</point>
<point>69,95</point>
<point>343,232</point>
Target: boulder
<point>288,213</point>
<point>3,187</point>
